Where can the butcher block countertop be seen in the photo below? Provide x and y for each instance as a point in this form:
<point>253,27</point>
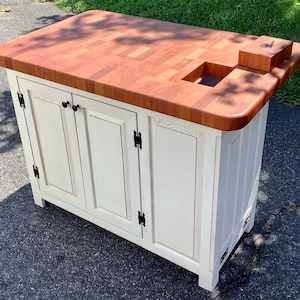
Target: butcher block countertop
<point>215,78</point>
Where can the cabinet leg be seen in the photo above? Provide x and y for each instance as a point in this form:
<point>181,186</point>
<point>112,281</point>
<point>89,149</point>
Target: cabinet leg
<point>208,280</point>
<point>37,197</point>
<point>40,202</point>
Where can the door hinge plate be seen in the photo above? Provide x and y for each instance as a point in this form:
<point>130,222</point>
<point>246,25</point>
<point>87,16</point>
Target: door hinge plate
<point>137,137</point>
<point>224,255</point>
<point>141,218</point>
<point>21,100</point>
<point>36,172</point>
<point>247,220</point>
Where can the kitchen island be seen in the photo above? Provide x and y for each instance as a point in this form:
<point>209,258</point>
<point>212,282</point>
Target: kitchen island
<point>151,130</point>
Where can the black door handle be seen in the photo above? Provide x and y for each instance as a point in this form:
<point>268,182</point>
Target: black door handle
<point>65,104</point>
<point>75,107</point>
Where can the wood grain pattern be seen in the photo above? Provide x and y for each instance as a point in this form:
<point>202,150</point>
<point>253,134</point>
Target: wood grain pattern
<point>265,53</point>
<point>143,62</point>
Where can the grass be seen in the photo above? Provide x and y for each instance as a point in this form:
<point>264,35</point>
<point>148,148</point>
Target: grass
<point>278,18</point>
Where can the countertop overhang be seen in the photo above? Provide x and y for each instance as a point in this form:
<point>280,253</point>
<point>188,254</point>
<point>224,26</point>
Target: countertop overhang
<point>153,64</point>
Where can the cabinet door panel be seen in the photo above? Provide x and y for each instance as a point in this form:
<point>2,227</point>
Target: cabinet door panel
<point>52,145</point>
<point>107,153</point>
<point>175,185</point>
<point>112,160</point>
<point>53,140</point>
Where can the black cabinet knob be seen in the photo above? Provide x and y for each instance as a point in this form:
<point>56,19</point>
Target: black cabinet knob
<point>75,107</point>
<point>65,104</point>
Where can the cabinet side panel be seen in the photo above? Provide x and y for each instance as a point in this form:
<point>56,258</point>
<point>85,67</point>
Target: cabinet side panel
<point>231,185</point>
<point>174,164</point>
<point>229,161</point>
<point>245,165</point>
<point>252,137</point>
<point>227,191</point>
<point>239,173</point>
<point>251,154</point>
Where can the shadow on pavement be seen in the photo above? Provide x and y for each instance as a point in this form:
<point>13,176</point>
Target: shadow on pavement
<point>52,254</point>
<point>9,133</point>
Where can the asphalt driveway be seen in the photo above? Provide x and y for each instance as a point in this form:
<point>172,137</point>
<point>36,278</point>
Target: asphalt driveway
<point>52,254</point>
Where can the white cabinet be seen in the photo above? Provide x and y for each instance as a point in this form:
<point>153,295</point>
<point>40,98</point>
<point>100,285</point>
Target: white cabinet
<point>179,189</point>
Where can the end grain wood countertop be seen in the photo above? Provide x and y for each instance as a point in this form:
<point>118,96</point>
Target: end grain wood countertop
<point>143,62</point>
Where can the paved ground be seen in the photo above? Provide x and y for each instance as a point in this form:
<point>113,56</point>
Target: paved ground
<point>51,254</point>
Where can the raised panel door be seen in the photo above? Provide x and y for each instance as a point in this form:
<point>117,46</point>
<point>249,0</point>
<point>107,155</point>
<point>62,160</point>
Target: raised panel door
<point>111,163</point>
<point>53,140</point>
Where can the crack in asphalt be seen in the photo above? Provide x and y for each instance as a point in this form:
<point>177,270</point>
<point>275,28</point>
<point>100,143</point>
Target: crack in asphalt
<point>258,241</point>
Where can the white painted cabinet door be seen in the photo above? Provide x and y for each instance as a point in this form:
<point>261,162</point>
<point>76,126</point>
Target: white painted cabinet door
<point>176,156</point>
<point>53,139</point>
<point>110,163</point>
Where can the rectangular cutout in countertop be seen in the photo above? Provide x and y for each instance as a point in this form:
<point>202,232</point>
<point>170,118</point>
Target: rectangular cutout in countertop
<point>209,74</point>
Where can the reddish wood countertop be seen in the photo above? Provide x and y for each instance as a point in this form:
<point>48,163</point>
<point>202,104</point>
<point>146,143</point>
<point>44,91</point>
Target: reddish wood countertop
<point>143,62</point>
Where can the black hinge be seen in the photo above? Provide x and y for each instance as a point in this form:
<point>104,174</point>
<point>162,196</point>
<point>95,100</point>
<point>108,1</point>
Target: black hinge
<point>137,137</point>
<point>36,172</point>
<point>224,255</point>
<point>141,217</point>
<point>247,220</point>
<point>21,100</point>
